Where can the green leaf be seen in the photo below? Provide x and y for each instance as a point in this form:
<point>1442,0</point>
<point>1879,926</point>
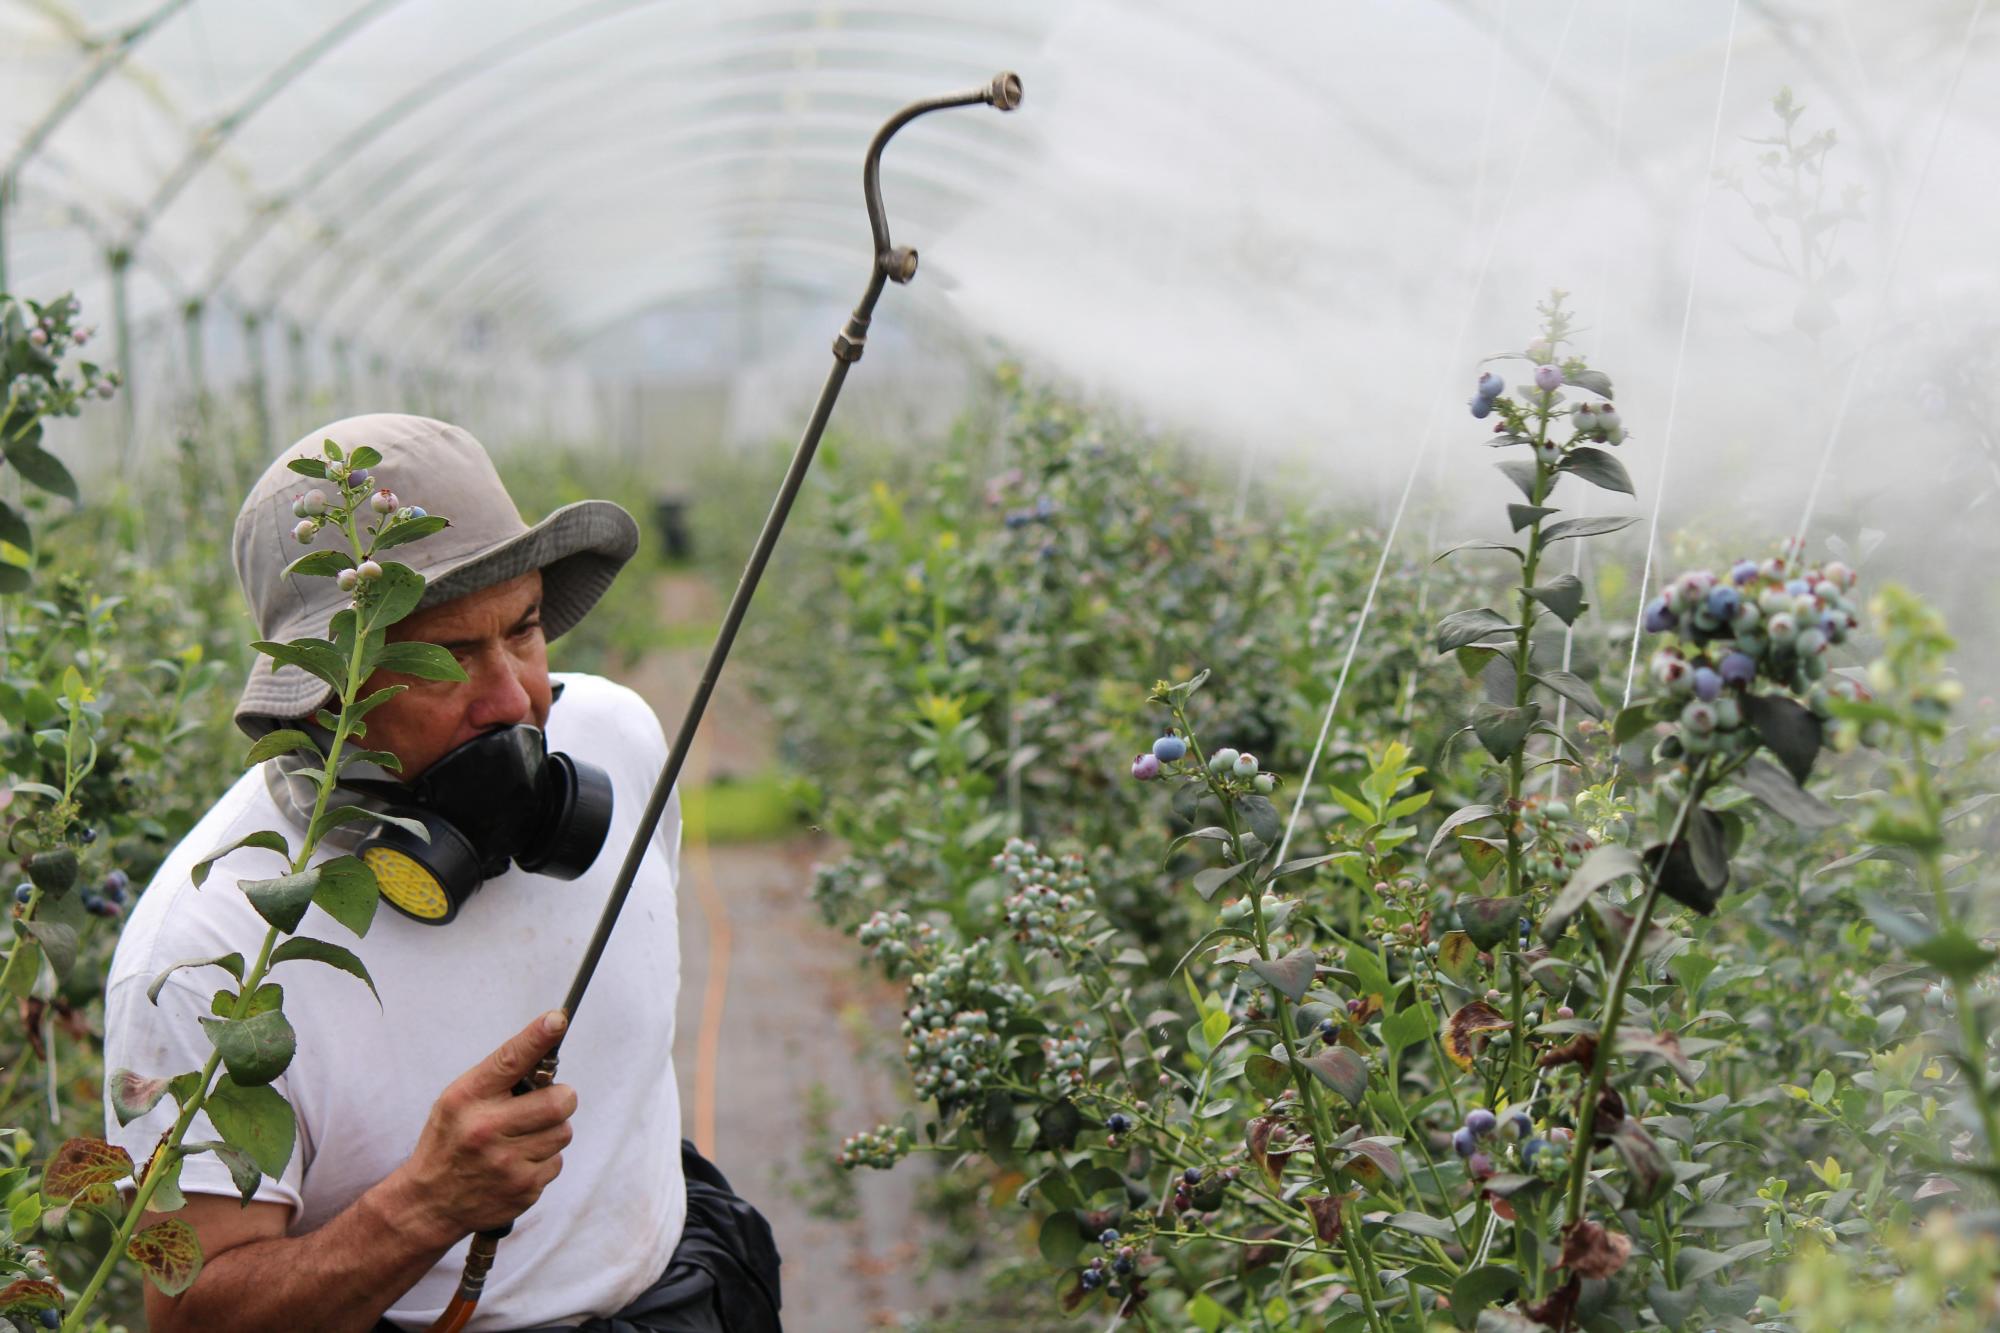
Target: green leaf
<point>321,564</point>
<point>170,1254</point>
<point>242,1171</point>
<point>1789,729</point>
<point>1590,381</point>
<point>1598,468</point>
<point>271,745</point>
<point>1695,870</point>
<point>254,1050</point>
<point>57,941</point>
<point>256,1121</point>
<point>1462,628</point>
<point>363,457</point>
<point>1501,729</point>
<point>53,871</point>
<point>1631,721</point>
<point>231,963</point>
<point>1059,1123</point>
<point>269,995</point>
<point>263,838</point>
<point>1954,953</point>
<point>14,529</point>
<point>1262,817</point>
<point>1266,1075</point>
<point>314,655</point>
<point>1464,815</point>
<point>1563,595</point>
<point>41,468</point>
<point>410,530</point>
<point>1477,1288</point>
<point>1370,978</point>
<point>1523,472</point>
<point>348,893</point>
<point>1408,1027</point>
<point>394,596</point>
<point>283,901</point>
<point>1585,527</point>
<point>1457,955</point>
<point>1482,544</point>
<point>1776,790</point>
<point>1648,1174</point>
<point>1489,922</point>
<point>1573,688</point>
<point>1206,882</point>
<point>1421,1224</point>
<point>321,951</point>
<point>1290,975</point>
<point>1603,865</point>
<point>1522,516</point>
<point>363,706</point>
<point>380,758</point>
<point>426,661</point>
<point>308,467</point>
<point>351,814</point>
<point>1061,1239</point>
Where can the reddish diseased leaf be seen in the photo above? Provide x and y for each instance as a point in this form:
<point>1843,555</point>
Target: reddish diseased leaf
<point>1588,1250</point>
<point>1648,1173</point>
<point>1325,1210</point>
<point>28,1295</point>
<point>1935,1186</point>
<point>85,1170</point>
<point>170,1254</point>
<point>1257,1139</point>
<point>1559,1309</point>
<point>1581,1051</point>
<point>1258,1256</point>
<point>132,1095</point>
<point>1664,1045</point>
<point>1342,1070</point>
<point>1373,1162</point>
<point>1457,954</point>
<point>1464,1032</point>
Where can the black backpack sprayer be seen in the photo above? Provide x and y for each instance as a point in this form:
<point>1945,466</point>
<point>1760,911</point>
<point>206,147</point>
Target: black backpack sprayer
<point>892,263</point>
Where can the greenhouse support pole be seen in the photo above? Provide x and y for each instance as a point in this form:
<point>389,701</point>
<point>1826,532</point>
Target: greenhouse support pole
<point>892,263</point>
<point>260,400</point>
<point>120,260</point>
<point>193,330</point>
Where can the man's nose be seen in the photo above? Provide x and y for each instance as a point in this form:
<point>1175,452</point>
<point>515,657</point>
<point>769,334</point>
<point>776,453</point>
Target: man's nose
<point>499,698</point>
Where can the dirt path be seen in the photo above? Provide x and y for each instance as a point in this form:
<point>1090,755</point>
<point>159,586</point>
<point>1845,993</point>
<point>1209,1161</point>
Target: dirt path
<point>783,1046</point>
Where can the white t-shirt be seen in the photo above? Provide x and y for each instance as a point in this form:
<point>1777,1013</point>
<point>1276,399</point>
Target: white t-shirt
<point>364,1077</point>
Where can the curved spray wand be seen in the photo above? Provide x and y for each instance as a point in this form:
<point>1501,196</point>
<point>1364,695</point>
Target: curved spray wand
<point>893,263</point>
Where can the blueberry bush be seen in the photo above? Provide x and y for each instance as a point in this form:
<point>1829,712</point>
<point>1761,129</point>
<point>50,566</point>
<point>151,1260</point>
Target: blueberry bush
<point>1552,999</point>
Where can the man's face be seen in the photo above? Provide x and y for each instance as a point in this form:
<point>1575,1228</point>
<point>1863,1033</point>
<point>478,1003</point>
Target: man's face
<point>496,635</point>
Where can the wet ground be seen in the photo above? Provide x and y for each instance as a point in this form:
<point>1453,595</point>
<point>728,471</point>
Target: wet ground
<point>784,1046</point>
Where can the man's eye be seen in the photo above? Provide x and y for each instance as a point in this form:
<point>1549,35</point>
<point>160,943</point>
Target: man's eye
<point>532,627</point>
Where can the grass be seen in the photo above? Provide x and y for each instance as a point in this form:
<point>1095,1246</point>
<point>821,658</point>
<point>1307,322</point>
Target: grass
<point>760,808</point>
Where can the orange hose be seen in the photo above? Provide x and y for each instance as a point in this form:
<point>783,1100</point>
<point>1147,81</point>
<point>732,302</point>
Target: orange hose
<point>456,1316</point>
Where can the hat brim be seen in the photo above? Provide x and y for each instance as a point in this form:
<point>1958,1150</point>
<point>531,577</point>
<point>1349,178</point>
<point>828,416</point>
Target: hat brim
<point>579,548</point>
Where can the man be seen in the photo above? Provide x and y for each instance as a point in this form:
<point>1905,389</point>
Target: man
<point>409,1136</point>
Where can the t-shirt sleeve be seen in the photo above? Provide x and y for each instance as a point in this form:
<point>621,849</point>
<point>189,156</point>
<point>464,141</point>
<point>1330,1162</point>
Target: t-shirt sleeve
<point>162,1041</point>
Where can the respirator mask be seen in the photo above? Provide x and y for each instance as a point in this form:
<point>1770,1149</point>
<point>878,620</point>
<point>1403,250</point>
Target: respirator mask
<point>499,798</point>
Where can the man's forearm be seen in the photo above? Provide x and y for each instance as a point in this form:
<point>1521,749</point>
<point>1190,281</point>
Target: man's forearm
<point>339,1278</point>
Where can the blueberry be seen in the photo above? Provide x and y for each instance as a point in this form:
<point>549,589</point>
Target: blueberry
<point>1044,507</point>
<point>50,1318</point>
<point>1548,378</point>
<point>1122,1267</point>
<point>1266,783</point>
<point>1091,1279</point>
<point>1146,767</point>
<point>384,501</point>
<point>1118,1122</point>
<point>1798,588</point>
<point>1531,1150</point>
<point>1583,418</point>
<point>1464,1142</point>
<point>1169,748</point>
<point>1516,1126</point>
<point>1699,718</point>
<point>1481,408</point>
<point>92,903</point>
<point>1245,766</point>
<point>1742,572</point>
<point>117,882</point>
<point>1738,668</point>
<point>23,892</point>
<point>1707,683</point>
<point>1328,1029</point>
<point>418,511</point>
<point>1481,1122</point>
<point>1491,385</point>
<point>1222,760</point>
<point>1480,1165</point>
<point>1192,1175</point>
<point>1659,617</point>
<point>1723,601</point>
<point>1108,1238</point>
<point>305,531</point>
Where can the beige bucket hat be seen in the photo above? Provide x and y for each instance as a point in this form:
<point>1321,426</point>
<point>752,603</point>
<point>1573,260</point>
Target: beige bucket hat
<point>579,548</point>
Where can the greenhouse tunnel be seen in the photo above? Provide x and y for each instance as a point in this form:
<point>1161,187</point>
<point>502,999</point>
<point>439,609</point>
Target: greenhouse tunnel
<point>1194,384</point>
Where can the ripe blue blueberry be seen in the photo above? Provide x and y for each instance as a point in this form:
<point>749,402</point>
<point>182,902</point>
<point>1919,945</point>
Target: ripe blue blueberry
<point>1146,767</point>
<point>1122,1267</point>
<point>92,903</point>
<point>1723,601</point>
<point>1169,748</point>
<point>1091,1279</point>
<point>1659,617</point>
<point>1328,1029</point>
<point>1118,1122</point>
<point>418,511</point>
<point>1463,1142</point>
<point>50,1318</point>
<point>1481,1122</point>
<point>1516,1126</point>
<point>1707,683</point>
<point>1548,378</point>
<point>1192,1175</point>
<point>1532,1149</point>
<point>1491,385</point>
<point>23,892</point>
<point>1108,1238</point>
<point>1481,408</point>
<point>1742,572</point>
<point>117,881</point>
<point>1798,587</point>
<point>1738,668</point>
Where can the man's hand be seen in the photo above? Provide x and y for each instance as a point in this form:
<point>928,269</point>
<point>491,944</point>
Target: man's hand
<point>485,1155</point>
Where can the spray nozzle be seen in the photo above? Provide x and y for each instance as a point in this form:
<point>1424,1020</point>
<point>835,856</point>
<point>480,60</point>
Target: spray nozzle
<point>1005,90</point>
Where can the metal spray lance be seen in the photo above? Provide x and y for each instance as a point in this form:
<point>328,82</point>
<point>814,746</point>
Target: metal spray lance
<point>892,263</point>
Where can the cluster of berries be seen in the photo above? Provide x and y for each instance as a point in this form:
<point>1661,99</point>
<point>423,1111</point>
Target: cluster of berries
<point>1052,899</point>
<point>1188,1181</point>
<point>1042,511</point>
<point>1546,1158</point>
<point>49,332</point>
<point>1760,621</point>
<point>899,942</point>
<point>1481,1124</point>
<point>958,1008</point>
<point>1122,1263</point>
<point>108,900</point>
<point>1552,850</point>
<point>1068,1059</point>
<point>881,1148</point>
<point>1225,763</point>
